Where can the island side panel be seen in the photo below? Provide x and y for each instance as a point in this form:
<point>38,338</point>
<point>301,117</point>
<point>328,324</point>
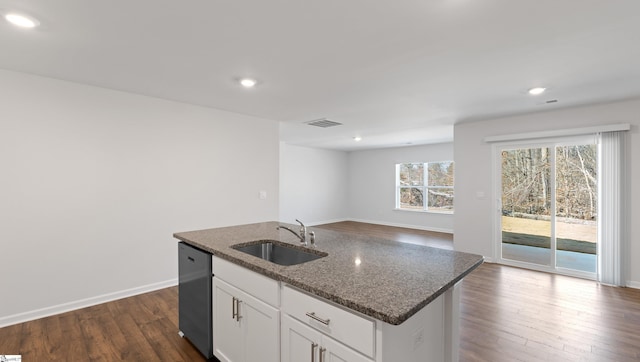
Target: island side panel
<point>452,323</point>
<point>420,338</point>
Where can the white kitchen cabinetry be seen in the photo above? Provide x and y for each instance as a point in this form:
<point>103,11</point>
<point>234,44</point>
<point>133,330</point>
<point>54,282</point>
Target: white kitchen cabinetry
<point>245,327</point>
<point>228,342</point>
<point>301,343</point>
<point>333,333</point>
<point>257,319</point>
<point>429,335</point>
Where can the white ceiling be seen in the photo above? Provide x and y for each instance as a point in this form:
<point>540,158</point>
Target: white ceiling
<point>392,71</point>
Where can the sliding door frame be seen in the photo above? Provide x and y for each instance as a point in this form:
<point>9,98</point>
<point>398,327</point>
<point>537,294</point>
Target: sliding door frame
<point>551,144</point>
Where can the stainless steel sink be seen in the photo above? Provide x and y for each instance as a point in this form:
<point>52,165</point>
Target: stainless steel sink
<point>278,252</point>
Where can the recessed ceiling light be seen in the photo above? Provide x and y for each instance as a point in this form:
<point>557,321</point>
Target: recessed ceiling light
<point>21,20</point>
<point>536,91</point>
<point>357,138</point>
<point>248,82</point>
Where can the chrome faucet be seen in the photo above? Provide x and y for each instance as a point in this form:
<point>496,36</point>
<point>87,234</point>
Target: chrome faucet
<point>302,235</point>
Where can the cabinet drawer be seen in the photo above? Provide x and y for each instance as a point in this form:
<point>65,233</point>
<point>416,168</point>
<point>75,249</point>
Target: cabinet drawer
<point>346,327</point>
<point>257,285</point>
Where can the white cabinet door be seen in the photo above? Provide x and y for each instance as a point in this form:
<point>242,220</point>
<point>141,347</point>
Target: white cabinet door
<point>246,328</point>
<point>227,344</point>
<point>337,352</point>
<point>301,343</point>
<point>261,325</point>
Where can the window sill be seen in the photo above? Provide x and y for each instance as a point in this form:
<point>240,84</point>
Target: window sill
<point>426,211</point>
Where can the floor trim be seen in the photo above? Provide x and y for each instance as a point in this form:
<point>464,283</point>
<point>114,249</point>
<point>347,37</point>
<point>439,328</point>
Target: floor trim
<point>408,226</point>
<point>632,284</point>
<point>316,223</point>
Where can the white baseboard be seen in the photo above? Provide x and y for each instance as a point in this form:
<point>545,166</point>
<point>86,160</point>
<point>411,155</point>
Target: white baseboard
<point>632,284</point>
<point>83,303</point>
<point>408,226</point>
<point>315,223</point>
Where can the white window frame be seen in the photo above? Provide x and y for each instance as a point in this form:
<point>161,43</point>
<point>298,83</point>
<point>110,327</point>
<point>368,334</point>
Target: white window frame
<point>425,188</point>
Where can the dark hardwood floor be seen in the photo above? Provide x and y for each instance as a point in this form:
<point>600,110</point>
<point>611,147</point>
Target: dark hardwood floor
<point>412,236</point>
<point>139,328</point>
<point>507,314</point>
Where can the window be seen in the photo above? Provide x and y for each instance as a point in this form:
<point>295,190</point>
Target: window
<point>433,179</point>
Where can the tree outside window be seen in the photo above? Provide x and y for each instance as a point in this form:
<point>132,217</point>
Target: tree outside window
<point>425,186</point>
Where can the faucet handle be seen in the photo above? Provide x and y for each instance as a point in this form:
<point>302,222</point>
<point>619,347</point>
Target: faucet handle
<point>312,239</point>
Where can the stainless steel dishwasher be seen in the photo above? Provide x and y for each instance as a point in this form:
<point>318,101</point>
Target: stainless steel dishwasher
<point>194,298</point>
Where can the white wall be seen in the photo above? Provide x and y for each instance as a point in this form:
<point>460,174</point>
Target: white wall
<point>473,217</point>
<point>94,183</point>
<point>313,185</point>
<point>372,186</point>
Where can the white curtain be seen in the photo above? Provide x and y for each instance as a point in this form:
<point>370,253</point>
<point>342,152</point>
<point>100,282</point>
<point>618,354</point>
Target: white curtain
<point>612,210</point>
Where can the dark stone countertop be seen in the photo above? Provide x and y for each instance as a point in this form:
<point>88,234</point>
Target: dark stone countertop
<point>392,282</point>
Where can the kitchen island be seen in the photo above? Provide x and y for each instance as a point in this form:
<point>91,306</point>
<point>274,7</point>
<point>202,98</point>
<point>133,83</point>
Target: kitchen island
<point>401,300</point>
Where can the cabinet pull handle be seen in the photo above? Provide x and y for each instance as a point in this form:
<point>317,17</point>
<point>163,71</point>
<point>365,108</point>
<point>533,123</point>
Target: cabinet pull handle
<point>313,351</point>
<point>233,308</point>
<point>313,316</point>
<point>322,354</point>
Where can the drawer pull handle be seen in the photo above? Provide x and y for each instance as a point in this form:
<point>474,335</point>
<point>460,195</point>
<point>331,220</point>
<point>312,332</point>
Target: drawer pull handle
<point>313,316</point>
<point>313,351</point>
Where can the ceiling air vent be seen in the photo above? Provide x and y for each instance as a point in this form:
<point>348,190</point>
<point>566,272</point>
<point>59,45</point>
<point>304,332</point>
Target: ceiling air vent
<point>323,123</point>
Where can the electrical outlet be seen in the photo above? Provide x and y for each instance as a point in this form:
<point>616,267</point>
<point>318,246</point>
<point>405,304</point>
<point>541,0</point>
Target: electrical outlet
<point>263,195</point>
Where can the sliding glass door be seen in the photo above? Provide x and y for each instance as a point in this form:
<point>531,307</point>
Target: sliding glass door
<point>526,205</point>
<point>576,208</point>
<point>548,206</point>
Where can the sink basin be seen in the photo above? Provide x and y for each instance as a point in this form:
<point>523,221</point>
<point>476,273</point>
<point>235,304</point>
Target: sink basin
<point>278,252</point>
